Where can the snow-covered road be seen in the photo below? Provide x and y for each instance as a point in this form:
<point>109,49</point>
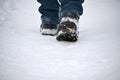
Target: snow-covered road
<point>27,55</point>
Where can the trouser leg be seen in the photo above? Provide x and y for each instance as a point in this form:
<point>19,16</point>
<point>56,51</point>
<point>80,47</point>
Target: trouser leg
<point>71,6</point>
<point>49,10</point>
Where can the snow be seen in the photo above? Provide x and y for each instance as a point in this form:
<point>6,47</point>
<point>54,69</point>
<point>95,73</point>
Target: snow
<point>27,55</point>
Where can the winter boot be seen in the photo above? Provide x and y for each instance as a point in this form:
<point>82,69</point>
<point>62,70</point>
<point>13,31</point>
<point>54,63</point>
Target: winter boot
<point>68,30</point>
<point>49,29</point>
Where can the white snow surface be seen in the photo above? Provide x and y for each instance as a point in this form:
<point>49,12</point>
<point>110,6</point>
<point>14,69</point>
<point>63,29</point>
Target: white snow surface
<point>27,55</point>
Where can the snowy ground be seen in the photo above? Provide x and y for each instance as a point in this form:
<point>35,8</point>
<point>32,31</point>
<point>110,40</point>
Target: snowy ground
<point>26,55</point>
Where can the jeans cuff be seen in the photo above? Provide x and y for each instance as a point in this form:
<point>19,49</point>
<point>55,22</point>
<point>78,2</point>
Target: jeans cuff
<point>73,12</point>
<point>49,20</point>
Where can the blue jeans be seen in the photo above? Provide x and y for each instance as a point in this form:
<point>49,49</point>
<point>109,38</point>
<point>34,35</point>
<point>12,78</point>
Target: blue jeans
<point>52,10</point>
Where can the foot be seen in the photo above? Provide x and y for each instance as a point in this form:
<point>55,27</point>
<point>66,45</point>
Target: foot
<point>68,28</point>
<point>49,29</point>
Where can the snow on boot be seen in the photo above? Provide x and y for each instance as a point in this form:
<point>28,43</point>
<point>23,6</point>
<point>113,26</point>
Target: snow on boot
<point>49,29</point>
<point>68,28</point>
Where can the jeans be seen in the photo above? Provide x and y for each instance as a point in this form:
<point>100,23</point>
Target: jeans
<point>52,10</point>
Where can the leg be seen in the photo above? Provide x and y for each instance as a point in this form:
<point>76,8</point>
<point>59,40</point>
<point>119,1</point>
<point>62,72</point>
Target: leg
<point>50,19</point>
<point>69,15</point>
<point>49,10</point>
